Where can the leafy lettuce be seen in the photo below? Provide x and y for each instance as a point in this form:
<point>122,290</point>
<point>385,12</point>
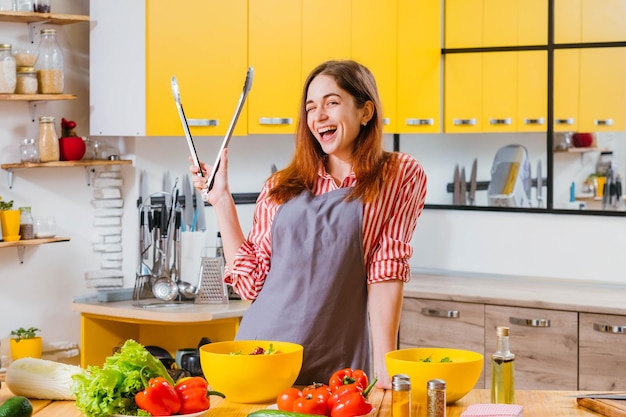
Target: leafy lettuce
<point>111,389</point>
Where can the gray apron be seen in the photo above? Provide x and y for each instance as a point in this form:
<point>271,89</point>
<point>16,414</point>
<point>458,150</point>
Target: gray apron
<point>315,293</point>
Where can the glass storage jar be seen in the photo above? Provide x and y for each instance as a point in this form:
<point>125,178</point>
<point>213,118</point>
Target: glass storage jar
<point>48,140</point>
<point>26,81</point>
<point>7,69</point>
<point>29,151</point>
<point>27,228</point>
<point>50,63</point>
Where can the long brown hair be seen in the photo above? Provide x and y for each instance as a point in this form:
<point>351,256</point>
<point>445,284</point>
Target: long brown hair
<point>369,159</point>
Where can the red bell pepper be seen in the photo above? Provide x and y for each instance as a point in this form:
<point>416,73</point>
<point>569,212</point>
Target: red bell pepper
<point>194,393</point>
<point>348,376</point>
<point>159,398</point>
<point>350,400</point>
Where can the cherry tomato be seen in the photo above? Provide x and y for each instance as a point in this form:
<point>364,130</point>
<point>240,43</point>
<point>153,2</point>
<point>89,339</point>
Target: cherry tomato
<point>286,399</point>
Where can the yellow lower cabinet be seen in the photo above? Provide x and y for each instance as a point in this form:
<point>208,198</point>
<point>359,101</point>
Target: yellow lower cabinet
<point>204,45</point>
<point>602,104</point>
<point>374,39</point>
<point>274,50</point>
<point>419,67</point>
<point>463,78</point>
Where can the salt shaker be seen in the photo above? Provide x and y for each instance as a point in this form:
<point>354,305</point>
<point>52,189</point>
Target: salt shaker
<point>401,396</point>
<point>436,398</point>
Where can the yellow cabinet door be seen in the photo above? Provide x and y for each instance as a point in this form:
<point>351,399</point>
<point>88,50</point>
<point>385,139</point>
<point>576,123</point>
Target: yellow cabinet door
<point>274,50</point>
<point>566,89</point>
<point>602,89</point>
<point>204,45</point>
<point>532,22</point>
<point>603,20</point>
<point>463,23</point>
<point>567,21</point>
<point>532,91</point>
<point>373,44</point>
<point>463,93</point>
<point>499,92</point>
<point>500,22</point>
<point>319,43</point>
<point>419,66</point>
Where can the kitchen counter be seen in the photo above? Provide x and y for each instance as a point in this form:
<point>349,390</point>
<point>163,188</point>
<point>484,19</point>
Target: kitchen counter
<point>535,403</point>
<point>106,326</point>
<point>547,293</point>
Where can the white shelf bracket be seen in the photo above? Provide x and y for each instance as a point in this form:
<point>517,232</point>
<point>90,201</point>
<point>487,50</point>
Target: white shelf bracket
<point>33,30</point>
<point>10,178</point>
<point>89,173</point>
<point>32,108</point>
<point>20,253</point>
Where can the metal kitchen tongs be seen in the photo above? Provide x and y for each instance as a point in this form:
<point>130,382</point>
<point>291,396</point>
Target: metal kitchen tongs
<point>229,133</point>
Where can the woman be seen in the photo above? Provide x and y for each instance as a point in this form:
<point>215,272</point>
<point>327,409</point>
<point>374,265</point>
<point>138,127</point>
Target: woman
<point>327,255</point>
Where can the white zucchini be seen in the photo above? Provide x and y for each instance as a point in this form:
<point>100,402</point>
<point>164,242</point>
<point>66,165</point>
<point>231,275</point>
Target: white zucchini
<point>41,379</point>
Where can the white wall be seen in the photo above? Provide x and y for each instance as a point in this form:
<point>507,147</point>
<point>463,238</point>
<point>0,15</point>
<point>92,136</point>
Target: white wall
<point>39,292</point>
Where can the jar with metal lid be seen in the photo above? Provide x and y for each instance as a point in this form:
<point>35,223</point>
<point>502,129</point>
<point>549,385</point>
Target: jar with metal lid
<point>48,140</point>
<point>436,398</point>
<point>26,81</point>
<point>7,69</point>
<point>50,63</point>
<point>27,228</point>
<point>401,396</point>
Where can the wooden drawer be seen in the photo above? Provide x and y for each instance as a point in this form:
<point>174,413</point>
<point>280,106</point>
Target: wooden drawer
<point>602,357</point>
<point>545,344</point>
<point>443,324</point>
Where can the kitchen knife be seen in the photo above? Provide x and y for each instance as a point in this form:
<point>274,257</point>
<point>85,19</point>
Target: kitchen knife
<point>456,196</point>
<point>463,191</point>
<point>472,189</point>
<point>187,212</point>
<point>539,185</point>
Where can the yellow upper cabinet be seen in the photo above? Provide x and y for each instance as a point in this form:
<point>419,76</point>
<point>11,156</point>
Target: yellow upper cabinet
<point>589,21</point>
<point>489,23</point>
<point>499,92</point>
<point>566,89</point>
<point>419,66</point>
<point>206,51</point>
<point>274,50</point>
<point>463,93</point>
<point>532,91</point>
<point>374,39</point>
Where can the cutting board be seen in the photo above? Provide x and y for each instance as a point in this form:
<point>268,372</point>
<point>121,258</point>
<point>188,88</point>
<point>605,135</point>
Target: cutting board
<point>609,408</point>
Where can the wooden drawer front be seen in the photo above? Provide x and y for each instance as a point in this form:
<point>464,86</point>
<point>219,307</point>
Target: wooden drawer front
<point>426,323</point>
<point>545,344</point>
<point>602,357</point>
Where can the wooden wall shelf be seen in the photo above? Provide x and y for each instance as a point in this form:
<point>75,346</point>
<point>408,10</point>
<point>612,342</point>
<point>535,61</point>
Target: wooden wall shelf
<point>36,97</point>
<point>21,244</point>
<point>32,17</point>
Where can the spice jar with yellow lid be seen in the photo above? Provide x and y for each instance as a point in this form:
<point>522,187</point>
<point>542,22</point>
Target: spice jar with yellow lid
<point>26,81</point>
<point>48,140</point>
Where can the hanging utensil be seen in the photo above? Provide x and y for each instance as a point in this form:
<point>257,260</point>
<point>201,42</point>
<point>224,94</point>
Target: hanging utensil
<point>463,190</point>
<point>456,196</point>
<point>187,210</point>
<point>472,190</point>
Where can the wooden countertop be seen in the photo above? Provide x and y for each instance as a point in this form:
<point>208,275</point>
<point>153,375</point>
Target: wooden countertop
<point>546,293</point>
<point>535,403</point>
<point>166,313</point>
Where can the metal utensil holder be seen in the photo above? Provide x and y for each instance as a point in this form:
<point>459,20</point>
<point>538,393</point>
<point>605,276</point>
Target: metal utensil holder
<point>211,286</point>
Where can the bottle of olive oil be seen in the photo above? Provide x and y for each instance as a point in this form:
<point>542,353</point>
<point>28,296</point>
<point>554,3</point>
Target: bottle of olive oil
<point>503,370</point>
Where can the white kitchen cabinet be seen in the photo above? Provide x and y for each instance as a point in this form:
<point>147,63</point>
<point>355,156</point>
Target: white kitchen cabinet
<point>602,357</point>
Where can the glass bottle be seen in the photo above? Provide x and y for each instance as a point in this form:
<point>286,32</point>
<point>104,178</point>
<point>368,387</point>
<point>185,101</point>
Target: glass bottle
<point>50,63</point>
<point>48,140</point>
<point>436,398</point>
<point>400,396</point>
<point>27,228</point>
<point>503,370</point>
<point>7,69</point>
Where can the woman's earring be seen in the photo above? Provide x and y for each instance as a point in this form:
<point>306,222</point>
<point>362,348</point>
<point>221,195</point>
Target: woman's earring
<point>363,123</point>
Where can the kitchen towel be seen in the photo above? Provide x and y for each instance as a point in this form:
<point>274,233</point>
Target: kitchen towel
<point>493,410</point>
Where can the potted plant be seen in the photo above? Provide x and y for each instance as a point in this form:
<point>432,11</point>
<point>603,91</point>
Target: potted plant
<point>71,146</point>
<point>10,221</point>
<point>25,343</point>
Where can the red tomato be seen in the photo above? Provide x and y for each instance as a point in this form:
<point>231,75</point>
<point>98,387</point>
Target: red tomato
<point>310,404</point>
<point>286,399</point>
<point>317,389</point>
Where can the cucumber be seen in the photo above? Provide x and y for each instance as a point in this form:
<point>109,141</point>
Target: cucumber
<point>16,407</point>
<point>279,413</point>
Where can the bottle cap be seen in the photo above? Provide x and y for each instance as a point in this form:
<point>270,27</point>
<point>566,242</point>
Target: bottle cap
<point>401,382</point>
<point>436,384</point>
<point>502,331</point>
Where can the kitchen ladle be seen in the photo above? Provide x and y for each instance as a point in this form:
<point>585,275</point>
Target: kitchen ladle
<point>187,290</point>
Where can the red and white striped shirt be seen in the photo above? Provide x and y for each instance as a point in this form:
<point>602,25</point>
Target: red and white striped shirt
<point>388,225</point>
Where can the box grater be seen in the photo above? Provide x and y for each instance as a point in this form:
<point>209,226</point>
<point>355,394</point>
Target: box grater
<point>211,288</point>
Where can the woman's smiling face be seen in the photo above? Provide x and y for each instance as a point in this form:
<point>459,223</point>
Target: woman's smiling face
<point>333,117</point>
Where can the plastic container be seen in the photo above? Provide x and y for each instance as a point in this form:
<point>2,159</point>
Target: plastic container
<point>50,63</point>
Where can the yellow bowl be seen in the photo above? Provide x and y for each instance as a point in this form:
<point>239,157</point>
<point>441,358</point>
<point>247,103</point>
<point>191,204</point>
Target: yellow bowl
<point>460,374</point>
<point>245,378</point>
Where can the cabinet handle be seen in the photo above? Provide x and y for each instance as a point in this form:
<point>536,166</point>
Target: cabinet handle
<point>203,122</point>
<point>530,322</point>
<point>275,120</point>
<point>605,122</point>
<point>539,121</point>
<point>386,121</point>
<point>436,312</point>
<point>569,121</point>
<point>506,121</point>
<point>420,122</point>
<point>464,122</point>
<point>606,328</point>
